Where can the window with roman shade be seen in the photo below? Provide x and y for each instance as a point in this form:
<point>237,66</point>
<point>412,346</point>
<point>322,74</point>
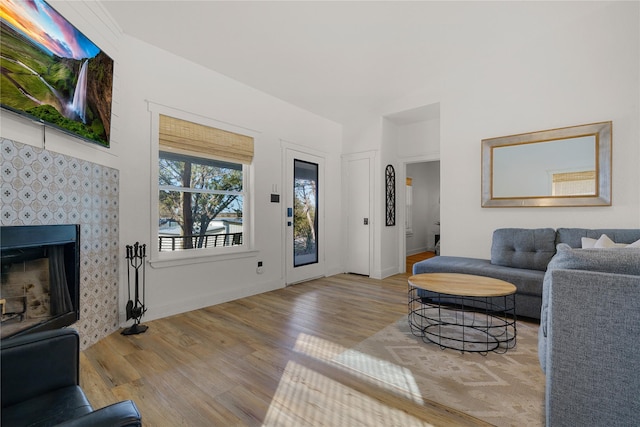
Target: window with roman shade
<point>181,136</point>
<point>202,185</point>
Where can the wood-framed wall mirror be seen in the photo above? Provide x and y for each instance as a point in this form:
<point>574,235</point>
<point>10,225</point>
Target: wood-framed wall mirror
<point>568,166</point>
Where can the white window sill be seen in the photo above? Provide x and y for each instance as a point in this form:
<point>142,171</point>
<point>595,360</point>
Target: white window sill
<point>173,259</point>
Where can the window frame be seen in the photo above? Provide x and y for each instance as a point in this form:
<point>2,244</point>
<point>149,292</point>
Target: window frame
<point>191,256</point>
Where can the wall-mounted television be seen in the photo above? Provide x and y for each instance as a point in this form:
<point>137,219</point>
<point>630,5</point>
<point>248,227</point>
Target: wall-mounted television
<point>52,73</point>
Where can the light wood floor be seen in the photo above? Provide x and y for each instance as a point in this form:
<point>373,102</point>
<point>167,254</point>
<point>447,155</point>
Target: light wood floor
<point>262,360</point>
<point>412,259</point>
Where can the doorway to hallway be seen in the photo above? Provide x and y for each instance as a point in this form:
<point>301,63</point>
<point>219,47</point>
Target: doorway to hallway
<point>422,219</point>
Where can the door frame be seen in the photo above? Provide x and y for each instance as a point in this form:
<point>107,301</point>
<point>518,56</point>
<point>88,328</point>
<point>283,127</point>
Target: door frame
<point>318,269</point>
<point>402,235</point>
<point>346,158</point>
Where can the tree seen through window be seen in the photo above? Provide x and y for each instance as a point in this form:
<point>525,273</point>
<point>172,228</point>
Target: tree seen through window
<point>199,198</point>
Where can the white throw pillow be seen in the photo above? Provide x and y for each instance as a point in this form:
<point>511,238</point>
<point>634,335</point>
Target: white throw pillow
<point>635,244</point>
<point>604,242</point>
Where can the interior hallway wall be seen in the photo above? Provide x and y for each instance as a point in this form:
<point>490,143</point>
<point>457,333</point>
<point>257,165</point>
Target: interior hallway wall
<point>426,206</point>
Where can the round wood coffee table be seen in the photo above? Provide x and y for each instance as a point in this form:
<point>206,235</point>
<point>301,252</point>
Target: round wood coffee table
<point>463,311</point>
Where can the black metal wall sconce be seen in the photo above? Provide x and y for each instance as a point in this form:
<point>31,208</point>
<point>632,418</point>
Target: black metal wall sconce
<point>390,205</point>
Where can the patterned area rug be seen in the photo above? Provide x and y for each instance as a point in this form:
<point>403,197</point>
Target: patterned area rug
<point>502,389</point>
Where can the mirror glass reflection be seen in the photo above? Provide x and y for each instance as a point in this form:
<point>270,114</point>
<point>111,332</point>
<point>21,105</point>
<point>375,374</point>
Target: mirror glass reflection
<point>565,167</point>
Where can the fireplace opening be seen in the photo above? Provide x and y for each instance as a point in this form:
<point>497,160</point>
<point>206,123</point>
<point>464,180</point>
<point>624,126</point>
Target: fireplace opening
<point>40,283</point>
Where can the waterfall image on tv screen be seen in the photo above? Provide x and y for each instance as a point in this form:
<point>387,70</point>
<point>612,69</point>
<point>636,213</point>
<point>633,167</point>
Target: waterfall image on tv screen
<point>52,72</point>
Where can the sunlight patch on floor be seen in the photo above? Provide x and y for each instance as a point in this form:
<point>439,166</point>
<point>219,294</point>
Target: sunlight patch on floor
<point>378,372</point>
<point>306,397</point>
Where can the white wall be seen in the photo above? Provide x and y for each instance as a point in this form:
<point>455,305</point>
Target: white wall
<point>406,137</point>
<point>145,73</point>
<point>419,139</point>
<point>386,261</point>
<point>577,68</point>
<point>583,71</point>
<point>151,74</point>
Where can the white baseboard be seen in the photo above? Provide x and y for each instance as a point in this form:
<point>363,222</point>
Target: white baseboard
<point>389,272</point>
<point>201,301</point>
<point>419,250</point>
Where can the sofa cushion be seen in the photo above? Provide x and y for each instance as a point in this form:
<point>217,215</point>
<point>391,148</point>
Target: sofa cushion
<point>528,248</point>
<point>526,281</point>
<point>607,260</point>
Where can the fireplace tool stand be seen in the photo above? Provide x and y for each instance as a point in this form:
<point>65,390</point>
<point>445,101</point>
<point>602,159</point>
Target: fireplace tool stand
<point>135,308</point>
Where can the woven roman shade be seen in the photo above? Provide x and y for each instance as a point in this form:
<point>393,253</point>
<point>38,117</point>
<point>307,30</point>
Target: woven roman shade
<point>574,176</point>
<point>574,183</point>
<point>183,137</point>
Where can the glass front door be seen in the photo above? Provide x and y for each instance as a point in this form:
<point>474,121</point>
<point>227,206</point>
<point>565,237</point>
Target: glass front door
<point>304,247</point>
<point>305,208</point>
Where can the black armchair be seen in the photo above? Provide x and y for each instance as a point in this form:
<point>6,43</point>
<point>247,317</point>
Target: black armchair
<point>40,385</point>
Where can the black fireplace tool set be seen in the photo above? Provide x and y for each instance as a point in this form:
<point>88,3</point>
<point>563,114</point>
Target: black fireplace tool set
<point>135,308</point>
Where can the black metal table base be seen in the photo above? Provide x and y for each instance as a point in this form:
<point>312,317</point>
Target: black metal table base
<point>467,324</point>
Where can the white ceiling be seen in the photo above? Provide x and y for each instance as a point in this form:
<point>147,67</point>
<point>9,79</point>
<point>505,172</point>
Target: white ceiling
<point>336,59</point>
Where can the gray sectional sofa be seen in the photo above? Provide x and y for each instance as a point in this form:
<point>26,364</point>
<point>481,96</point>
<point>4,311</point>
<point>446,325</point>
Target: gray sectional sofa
<point>520,256</point>
<point>588,340</point>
